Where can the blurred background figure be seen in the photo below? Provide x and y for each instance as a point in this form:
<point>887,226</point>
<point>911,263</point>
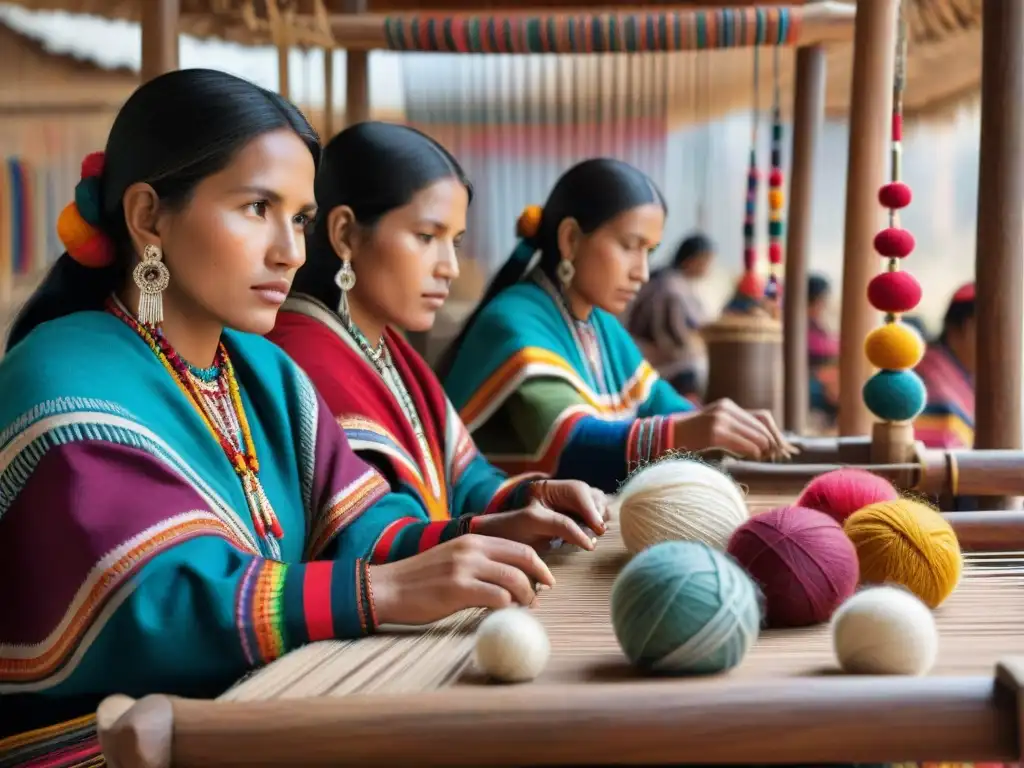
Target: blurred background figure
<point>668,313</point>
<point>948,374</point>
<point>822,353</point>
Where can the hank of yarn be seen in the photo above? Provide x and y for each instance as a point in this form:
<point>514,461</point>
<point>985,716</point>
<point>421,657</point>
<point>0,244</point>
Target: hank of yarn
<point>512,646</point>
<point>842,492</point>
<point>885,631</point>
<point>685,608</point>
<point>679,500</point>
<point>802,561</point>
<point>907,543</point>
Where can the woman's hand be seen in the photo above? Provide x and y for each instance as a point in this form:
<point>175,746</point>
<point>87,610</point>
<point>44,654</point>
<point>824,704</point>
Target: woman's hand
<point>468,572</point>
<point>574,498</point>
<point>536,526</point>
<point>723,424</point>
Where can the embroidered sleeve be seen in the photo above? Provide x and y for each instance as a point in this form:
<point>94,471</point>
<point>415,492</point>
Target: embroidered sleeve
<point>146,588</point>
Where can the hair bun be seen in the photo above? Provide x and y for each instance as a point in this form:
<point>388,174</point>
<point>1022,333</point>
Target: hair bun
<point>529,222</point>
<point>78,224</point>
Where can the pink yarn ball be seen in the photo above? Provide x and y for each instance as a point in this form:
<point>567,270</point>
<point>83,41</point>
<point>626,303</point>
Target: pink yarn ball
<point>842,492</point>
<point>803,561</point>
<point>895,195</point>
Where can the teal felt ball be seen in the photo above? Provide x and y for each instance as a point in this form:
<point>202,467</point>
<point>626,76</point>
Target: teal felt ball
<point>895,395</point>
<point>682,607</point>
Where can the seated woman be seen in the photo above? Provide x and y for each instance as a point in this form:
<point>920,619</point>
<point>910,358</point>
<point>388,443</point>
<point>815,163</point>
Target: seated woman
<point>666,317</point>
<point>543,374</point>
<point>382,260</point>
<point>947,370</point>
<point>178,504</point>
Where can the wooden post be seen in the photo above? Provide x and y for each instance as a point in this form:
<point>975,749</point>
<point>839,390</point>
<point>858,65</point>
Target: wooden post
<point>284,51</point>
<point>999,254</point>
<point>328,127</point>
<point>808,111</point>
<point>357,75</point>
<point>159,38</point>
<point>874,48</point>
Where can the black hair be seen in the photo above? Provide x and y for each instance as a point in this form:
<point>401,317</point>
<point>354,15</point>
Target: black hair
<point>697,244</point>
<point>818,287</point>
<point>593,193</point>
<point>171,133</point>
<point>957,315</point>
<point>373,168</point>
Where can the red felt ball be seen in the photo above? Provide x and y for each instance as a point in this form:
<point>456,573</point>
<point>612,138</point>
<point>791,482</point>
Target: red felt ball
<point>775,178</point>
<point>895,195</point>
<point>842,492</point>
<point>775,253</point>
<point>803,561</point>
<point>894,243</point>
<point>92,165</point>
<point>894,292</point>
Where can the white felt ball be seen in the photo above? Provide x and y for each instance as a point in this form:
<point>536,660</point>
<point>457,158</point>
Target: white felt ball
<point>680,500</point>
<point>885,631</point>
<point>512,646</point>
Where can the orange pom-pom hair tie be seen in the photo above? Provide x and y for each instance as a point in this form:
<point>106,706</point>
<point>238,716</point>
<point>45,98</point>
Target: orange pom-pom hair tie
<point>77,225</point>
<point>528,223</point>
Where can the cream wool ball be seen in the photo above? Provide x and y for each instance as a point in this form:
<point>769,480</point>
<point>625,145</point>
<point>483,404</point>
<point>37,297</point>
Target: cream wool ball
<point>512,646</point>
<point>679,500</point>
<point>885,631</point>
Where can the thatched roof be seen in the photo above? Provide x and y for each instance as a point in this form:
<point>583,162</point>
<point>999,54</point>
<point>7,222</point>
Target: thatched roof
<point>944,66</point>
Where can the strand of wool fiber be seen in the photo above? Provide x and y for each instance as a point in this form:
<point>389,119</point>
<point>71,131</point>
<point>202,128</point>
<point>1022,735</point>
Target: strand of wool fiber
<point>685,608</point>
<point>680,500</point>
<point>801,559</point>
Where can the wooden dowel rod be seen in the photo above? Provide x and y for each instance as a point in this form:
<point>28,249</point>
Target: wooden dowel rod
<point>866,719</point>
<point>824,22</point>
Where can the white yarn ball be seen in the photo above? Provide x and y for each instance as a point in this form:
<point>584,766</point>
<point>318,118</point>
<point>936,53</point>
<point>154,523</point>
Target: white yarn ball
<point>512,646</point>
<point>680,500</point>
<point>885,631</point>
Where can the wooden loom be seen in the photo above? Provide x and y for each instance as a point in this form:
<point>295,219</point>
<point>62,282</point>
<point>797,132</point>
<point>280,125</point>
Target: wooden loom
<point>415,698</point>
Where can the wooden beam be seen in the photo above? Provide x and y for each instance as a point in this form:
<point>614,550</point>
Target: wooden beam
<point>999,254</point>
<point>808,113</point>
<point>160,20</point>
<point>874,50</point>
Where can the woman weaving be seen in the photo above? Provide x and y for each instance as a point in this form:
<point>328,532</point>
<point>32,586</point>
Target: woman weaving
<point>543,374</point>
<point>178,504</point>
<point>383,257</point>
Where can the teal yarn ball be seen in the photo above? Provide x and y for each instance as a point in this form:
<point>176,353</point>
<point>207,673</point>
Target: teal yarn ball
<point>682,607</point>
<point>87,198</point>
<point>895,395</point>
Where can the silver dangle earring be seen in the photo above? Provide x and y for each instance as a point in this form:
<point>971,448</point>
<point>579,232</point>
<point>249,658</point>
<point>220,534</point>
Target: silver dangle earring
<point>345,280</point>
<point>565,272</point>
<point>152,277</point>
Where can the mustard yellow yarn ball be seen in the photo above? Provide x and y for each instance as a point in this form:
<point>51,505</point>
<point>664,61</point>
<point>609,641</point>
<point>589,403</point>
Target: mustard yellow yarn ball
<point>894,347</point>
<point>907,543</point>
<point>775,199</point>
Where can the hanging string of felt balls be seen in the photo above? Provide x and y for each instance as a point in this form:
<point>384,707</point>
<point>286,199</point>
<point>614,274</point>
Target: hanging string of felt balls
<point>895,393</point>
<point>776,196</point>
<point>749,283</point>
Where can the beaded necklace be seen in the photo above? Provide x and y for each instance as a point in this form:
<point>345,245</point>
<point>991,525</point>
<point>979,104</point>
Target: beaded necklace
<point>583,333</point>
<point>224,417</point>
<point>380,358</point>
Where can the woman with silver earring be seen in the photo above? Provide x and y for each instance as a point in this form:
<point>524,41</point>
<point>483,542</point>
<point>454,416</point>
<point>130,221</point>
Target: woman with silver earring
<point>166,461</point>
<point>545,376</point>
<point>395,205</point>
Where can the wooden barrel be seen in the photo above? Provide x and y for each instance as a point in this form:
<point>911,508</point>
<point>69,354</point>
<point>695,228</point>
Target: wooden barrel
<point>745,361</point>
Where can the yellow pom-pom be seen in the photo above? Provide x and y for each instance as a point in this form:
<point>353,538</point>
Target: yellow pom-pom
<point>529,221</point>
<point>72,229</point>
<point>775,199</point>
<point>907,543</point>
<point>894,347</point>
